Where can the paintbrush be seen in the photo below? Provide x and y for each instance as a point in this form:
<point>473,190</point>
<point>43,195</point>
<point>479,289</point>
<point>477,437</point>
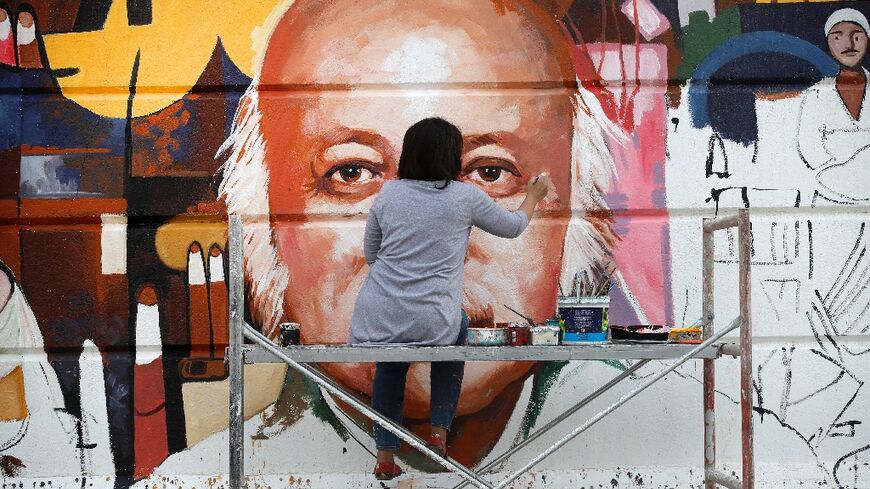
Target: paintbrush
<point>531,323</point>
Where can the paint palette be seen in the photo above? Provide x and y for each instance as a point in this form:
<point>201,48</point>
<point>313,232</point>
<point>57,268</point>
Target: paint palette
<point>644,333</point>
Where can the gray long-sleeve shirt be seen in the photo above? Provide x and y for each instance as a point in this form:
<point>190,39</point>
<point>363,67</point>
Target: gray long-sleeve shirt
<point>416,238</point>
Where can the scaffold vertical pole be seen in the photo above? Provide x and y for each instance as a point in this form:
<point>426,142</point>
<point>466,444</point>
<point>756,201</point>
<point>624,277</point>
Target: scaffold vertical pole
<point>707,314</point>
<point>744,241</point>
<point>236,315</point>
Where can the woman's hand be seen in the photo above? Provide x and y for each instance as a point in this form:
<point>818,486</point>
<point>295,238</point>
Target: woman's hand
<point>536,191</point>
<point>538,187</point>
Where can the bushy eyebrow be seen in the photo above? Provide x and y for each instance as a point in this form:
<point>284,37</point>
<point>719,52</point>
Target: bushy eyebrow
<point>501,138</point>
<point>345,135</point>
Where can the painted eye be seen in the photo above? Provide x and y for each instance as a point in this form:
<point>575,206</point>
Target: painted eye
<point>498,177</point>
<point>351,177</point>
<point>489,173</point>
<point>350,173</point>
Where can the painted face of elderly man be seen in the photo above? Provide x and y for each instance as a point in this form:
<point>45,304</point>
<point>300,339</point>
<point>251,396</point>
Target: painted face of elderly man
<point>320,131</point>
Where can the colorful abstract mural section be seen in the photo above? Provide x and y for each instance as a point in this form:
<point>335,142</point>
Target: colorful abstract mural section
<point>129,129</point>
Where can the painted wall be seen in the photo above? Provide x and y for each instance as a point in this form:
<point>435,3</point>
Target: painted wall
<point>129,128</point>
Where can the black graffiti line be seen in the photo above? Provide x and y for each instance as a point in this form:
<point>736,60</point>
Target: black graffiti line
<point>686,307</point>
<point>844,457</point>
<point>849,402</point>
<point>816,333</point>
<point>758,385</point>
<point>852,299</point>
<point>835,305</point>
<point>837,282</point>
<point>850,424</point>
<point>772,303</point>
<point>797,239</point>
<point>692,377</point>
<point>782,283</point>
<point>786,389</point>
<point>764,263</point>
<point>785,246</point>
<point>773,227</point>
<point>858,318</point>
<point>829,329</point>
<point>810,245</point>
<point>851,296</point>
<point>797,433</point>
<point>819,391</point>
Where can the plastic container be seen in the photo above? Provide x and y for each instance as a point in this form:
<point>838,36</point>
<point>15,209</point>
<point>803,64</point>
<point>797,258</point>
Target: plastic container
<point>487,336</point>
<point>545,335</point>
<point>585,318</point>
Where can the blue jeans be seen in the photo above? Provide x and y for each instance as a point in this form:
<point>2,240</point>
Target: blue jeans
<point>388,393</point>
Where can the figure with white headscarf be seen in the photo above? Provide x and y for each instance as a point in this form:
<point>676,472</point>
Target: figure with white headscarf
<point>7,39</point>
<point>834,126</point>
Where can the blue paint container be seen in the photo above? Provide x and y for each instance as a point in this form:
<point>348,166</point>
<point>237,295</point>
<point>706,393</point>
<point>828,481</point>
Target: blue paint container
<point>585,318</point>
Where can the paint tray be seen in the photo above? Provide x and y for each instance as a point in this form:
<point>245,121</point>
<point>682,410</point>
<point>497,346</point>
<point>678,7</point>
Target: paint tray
<point>640,333</point>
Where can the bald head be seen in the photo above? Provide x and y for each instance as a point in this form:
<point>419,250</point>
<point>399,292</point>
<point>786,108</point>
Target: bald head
<point>354,42</point>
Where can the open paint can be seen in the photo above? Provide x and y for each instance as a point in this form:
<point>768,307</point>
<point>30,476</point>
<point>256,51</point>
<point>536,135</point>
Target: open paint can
<point>519,334</point>
<point>585,318</point>
<point>289,334</point>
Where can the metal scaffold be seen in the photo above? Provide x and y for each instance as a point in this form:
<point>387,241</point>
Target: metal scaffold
<point>264,350</point>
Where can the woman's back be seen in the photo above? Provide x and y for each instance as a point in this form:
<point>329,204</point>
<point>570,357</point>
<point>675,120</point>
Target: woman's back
<point>416,240</point>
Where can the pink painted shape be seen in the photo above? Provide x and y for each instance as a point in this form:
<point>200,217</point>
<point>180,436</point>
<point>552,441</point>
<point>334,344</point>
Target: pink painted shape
<point>650,21</point>
<point>637,193</point>
<point>7,51</point>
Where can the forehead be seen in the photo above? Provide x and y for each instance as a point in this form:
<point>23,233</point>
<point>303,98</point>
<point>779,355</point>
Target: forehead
<point>847,28</point>
<point>377,43</point>
<point>390,112</point>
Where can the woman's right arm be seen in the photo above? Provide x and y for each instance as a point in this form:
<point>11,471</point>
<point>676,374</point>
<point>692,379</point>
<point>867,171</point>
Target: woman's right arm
<point>492,218</point>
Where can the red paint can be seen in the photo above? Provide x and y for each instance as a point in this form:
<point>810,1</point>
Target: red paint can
<point>519,334</point>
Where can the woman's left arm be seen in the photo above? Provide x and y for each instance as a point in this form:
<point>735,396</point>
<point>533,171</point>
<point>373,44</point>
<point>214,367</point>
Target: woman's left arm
<point>372,238</point>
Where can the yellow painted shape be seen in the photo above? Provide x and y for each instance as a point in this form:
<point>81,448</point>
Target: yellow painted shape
<point>173,238</point>
<point>13,405</point>
<point>175,49</point>
<point>206,404</point>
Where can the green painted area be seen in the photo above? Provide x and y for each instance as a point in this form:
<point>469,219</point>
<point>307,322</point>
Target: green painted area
<point>543,381</point>
<point>701,37</point>
<point>298,396</point>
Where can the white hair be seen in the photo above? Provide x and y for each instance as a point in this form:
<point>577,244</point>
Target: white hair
<point>588,241</point>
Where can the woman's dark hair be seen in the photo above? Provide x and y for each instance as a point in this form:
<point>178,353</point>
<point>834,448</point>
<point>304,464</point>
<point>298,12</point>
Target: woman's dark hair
<point>431,151</point>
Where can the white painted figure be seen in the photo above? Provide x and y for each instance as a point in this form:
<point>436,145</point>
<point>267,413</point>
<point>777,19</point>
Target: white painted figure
<point>834,130</point>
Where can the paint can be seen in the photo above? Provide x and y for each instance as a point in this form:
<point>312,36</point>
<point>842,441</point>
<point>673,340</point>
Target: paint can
<point>519,334</point>
<point>545,335</point>
<point>585,318</point>
<point>487,336</point>
<point>289,334</point>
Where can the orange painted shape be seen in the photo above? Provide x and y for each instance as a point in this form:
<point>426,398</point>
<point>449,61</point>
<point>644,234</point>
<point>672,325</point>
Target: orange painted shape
<point>13,405</point>
<point>198,319</point>
<point>62,208</point>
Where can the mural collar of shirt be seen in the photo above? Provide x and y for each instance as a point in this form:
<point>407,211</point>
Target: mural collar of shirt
<point>851,86</point>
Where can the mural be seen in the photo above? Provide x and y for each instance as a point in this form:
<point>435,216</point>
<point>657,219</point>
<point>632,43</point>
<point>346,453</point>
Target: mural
<point>130,128</point>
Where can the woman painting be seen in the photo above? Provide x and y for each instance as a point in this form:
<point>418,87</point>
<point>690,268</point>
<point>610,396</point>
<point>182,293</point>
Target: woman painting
<point>415,244</point>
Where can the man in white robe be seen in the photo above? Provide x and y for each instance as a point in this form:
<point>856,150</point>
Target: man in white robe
<point>834,128</point>
<point>32,414</point>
